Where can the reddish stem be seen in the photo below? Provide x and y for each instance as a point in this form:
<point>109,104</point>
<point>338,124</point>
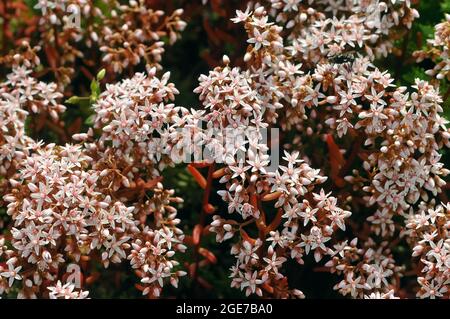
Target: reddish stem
<point>205,202</point>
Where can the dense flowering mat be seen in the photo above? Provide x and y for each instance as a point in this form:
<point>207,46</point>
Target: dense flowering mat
<point>274,149</point>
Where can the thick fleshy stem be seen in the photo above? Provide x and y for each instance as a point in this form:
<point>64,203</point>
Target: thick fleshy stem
<point>201,224</point>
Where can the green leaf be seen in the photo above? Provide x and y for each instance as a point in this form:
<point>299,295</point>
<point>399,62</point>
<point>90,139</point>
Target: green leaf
<point>90,120</point>
<point>95,87</point>
<point>95,90</point>
<point>101,75</point>
<point>73,100</point>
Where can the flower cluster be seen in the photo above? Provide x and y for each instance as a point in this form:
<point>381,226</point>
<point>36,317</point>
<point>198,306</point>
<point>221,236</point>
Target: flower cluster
<point>66,291</point>
<point>134,34</point>
<point>360,173</point>
<point>66,206</point>
<point>62,213</point>
<point>368,271</point>
<point>22,94</point>
<point>438,51</point>
<point>397,134</point>
<point>303,222</point>
<point>365,24</point>
<point>127,34</point>
<point>427,230</point>
<point>57,213</point>
<point>153,248</point>
<point>135,118</point>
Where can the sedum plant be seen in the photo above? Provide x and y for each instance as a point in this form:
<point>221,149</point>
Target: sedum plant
<point>304,151</point>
